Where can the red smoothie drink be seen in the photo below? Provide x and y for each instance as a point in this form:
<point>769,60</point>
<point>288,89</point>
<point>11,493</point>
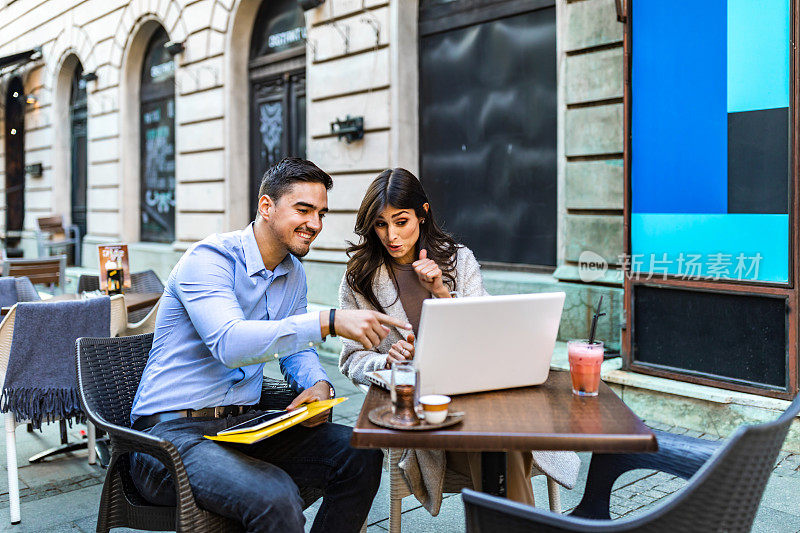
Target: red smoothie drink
<point>584,366</point>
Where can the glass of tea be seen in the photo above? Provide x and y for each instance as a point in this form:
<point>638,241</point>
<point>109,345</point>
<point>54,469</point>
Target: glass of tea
<point>403,393</point>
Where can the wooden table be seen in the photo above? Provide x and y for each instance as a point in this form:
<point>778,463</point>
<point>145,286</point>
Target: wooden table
<point>544,417</point>
<point>133,301</point>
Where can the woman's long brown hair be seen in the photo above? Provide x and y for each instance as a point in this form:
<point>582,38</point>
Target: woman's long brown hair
<point>400,189</point>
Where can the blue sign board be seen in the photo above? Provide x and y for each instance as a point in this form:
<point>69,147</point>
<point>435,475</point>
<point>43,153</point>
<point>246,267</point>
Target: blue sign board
<point>710,159</point>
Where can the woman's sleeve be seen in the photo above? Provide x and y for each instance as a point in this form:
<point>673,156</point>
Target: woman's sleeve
<point>355,361</point>
<point>471,279</point>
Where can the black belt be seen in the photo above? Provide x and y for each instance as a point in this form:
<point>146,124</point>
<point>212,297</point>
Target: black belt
<point>146,422</point>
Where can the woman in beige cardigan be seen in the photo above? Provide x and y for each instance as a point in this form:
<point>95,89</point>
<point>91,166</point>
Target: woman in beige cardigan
<point>404,257</point>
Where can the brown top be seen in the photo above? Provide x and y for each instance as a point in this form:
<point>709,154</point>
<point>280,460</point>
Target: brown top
<point>411,292</point>
<point>543,417</point>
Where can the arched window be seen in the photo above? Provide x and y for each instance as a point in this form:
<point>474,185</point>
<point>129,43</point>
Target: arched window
<point>78,166</point>
<point>157,142</point>
<point>277,88</point>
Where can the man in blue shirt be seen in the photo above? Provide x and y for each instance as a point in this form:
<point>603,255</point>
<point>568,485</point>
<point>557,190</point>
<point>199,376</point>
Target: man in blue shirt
<point>233,302</point>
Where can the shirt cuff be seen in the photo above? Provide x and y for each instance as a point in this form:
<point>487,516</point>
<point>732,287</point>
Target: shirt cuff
<point>308,327</point>
<point>314,376</point>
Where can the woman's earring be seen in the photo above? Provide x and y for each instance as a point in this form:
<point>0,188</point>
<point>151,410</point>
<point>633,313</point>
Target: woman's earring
<point>422,221</point>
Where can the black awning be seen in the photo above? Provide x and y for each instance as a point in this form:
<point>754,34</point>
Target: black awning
<point>20,57</point>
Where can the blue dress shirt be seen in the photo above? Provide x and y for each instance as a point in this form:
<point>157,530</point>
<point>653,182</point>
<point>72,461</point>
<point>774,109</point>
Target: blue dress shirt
<point>222,316</point>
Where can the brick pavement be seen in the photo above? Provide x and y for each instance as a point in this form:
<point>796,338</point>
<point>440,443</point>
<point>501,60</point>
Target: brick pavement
<point>45,490</point>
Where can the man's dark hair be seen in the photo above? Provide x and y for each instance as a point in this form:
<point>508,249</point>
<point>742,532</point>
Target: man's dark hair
<point>280,176</point>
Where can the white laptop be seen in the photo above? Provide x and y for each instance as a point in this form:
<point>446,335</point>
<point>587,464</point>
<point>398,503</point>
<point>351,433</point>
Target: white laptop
<point>486,342</point>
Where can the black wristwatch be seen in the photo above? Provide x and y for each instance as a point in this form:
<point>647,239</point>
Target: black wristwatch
<point>331,322</point>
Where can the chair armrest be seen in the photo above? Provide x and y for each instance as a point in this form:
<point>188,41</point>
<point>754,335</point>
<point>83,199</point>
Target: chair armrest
<point>126,440</point>
<point>488,514</point>
<point>73,231</point>
<point>66,241</point>
<point>139,328</point>
<point>145,325</point>
<point>678,455</point>
<point>131,440</point>
<point>275,394</point>
<point>46,238</point>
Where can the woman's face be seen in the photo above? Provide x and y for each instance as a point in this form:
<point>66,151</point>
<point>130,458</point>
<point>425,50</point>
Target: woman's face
<point>398,230</point>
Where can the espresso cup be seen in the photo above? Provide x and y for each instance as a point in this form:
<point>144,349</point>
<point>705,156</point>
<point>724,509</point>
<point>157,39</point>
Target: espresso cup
<point>434,407</point>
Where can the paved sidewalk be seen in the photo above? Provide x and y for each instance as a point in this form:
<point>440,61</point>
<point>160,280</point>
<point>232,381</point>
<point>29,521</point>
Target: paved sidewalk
<point>63,494</point>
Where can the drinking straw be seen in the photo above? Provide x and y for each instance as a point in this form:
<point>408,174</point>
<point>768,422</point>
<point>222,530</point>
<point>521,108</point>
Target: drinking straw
<point>597,314</point>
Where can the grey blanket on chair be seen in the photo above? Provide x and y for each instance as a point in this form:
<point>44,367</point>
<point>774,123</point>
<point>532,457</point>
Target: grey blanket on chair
<point>41,380</point>
<point>8,291</point>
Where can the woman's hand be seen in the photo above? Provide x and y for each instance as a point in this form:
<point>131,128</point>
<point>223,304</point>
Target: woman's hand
<point>430,275</point>
<point>402,350</point>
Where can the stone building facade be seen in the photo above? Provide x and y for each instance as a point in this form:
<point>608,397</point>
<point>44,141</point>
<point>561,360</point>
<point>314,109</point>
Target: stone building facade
<point>361,59</point>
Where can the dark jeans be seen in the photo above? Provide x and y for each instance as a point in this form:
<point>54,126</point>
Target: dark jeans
<point>257,483</point>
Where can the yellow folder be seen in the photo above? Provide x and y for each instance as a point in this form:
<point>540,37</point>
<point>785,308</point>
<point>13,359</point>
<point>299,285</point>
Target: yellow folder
<point>250,437</point>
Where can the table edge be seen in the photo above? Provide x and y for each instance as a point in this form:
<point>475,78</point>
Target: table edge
<point>579,442</point>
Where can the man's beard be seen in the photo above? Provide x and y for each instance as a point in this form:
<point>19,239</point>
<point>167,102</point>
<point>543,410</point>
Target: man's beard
<point>297,250</point>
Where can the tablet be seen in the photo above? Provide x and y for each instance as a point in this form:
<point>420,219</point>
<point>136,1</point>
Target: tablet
<point>262,421</point>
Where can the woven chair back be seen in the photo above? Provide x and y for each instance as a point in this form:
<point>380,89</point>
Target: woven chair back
<point>109,371</point>
<point>725,493</point>
<point>146,281</point>
<point>88,282</point>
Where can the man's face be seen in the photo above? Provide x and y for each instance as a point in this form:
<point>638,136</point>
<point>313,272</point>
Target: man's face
<point>295,219</point>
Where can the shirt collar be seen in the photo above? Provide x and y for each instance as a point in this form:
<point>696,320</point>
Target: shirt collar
<point>253,261</point>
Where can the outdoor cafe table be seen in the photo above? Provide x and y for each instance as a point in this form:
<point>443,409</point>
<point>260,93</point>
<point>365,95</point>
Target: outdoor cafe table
<point>543,417</point>
<point>133,300</point>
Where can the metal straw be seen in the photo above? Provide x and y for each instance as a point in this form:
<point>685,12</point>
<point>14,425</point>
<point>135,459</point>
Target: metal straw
<point>597,314</point>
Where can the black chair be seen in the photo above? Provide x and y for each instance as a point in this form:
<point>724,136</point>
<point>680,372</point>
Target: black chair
<point>146,281</point>
<point>88,282</point>
<point>109,371</point>
<point>723,495</point>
